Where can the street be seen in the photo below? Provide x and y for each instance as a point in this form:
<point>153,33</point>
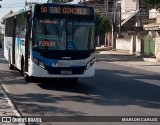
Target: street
<point>116,90</point>
<point>50,49</point>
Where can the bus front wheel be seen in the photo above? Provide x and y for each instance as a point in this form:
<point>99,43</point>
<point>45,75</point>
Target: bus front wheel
<point>11,67</point>
<point>22,66</point>
<point>27,78</point>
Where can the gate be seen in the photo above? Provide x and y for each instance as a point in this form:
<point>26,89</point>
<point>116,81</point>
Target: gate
<point>148,47</point>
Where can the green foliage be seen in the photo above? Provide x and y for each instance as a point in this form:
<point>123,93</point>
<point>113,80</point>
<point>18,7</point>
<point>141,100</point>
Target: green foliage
<point>102,24</point>
<point>152,3</point>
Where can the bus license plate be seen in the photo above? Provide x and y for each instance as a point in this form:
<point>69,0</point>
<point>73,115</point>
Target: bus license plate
<point>66,72</point>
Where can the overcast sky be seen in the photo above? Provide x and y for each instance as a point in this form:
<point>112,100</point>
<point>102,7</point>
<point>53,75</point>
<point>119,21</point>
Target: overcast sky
<point>15,5</point>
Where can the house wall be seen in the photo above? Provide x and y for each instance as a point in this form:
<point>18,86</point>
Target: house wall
<point>158,38</point>
<point>158,18</point>
<point>138,44</point>
<point>126,5</point>
<point>130,5</point>
<point>124,43</point>
<point>152,14</point>
<point>157,53</point>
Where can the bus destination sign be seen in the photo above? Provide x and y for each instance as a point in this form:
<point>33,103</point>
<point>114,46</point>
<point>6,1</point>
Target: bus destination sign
<point>65,10</point>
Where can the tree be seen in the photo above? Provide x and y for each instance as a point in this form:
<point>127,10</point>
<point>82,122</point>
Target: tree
<point>152,3</point>
<point>102,25</point>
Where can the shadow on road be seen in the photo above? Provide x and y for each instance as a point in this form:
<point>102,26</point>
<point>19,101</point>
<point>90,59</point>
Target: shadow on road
<point>118,88</point>
<point>3,60</point>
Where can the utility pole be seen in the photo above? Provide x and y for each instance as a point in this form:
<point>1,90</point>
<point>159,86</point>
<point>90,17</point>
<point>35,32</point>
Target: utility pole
<point>119,10</point>
<point>113,28</point>
<point>106,13</point>
<point>106,7</point>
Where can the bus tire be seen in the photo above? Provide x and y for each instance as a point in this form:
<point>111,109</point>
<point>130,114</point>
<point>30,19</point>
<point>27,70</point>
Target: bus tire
<point>22,66</point>
<point>11,67</point>
<point>27,78</point>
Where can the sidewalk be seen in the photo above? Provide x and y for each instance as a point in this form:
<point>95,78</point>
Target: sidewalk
<point>6,106</point>
<point>126,59</point>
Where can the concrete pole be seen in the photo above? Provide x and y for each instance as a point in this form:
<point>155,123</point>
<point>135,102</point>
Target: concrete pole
<point>113,28</point>
<point>112,36</point>
<point>106,13</point>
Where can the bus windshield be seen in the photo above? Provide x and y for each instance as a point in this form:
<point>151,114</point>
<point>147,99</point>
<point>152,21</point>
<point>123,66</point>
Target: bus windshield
<point>63,34</point>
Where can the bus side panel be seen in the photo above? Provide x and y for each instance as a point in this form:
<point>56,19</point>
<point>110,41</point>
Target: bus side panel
<point>8,47</point>
<point>19,51</point>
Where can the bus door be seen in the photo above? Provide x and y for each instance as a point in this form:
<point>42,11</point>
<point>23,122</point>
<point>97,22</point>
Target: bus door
<point>27,41</point>
<point>14,39</point>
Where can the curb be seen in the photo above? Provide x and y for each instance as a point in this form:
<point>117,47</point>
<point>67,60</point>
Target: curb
<point>103,48</point>
<point>11,104</point>
<point>150,60</point>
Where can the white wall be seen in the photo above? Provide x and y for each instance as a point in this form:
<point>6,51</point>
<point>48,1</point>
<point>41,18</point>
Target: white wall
<point>2,28</point>
<point>138,44</point>
<point>152,13</point>
<point>130,5</point>
<point>124,43</point>
<point>125,15</point>
<point>157,48</point>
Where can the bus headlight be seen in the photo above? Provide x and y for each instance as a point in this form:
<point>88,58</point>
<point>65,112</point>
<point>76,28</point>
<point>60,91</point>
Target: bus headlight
<point>90,63</point>
<point>35,60</point>
<point>41,64</point>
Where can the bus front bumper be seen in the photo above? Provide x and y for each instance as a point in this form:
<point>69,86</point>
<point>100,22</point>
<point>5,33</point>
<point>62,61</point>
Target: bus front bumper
<point>37,71</point>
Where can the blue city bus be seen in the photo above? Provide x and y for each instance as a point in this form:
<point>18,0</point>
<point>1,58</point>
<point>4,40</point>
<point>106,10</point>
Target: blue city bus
<point>51,40</point>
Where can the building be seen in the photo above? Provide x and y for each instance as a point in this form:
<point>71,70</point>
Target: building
<point>105,8</point>
<point>1,35</point>
<point>133,29</point>
<point>133,16</point>
<point>153,36</point>
<point>140,30</point>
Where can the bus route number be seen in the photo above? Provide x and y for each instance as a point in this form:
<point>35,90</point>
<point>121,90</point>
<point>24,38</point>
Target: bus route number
<point>44,9</point>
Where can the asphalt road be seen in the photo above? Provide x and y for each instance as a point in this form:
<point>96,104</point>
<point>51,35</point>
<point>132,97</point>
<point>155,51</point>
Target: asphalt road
<point>115,90</point>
